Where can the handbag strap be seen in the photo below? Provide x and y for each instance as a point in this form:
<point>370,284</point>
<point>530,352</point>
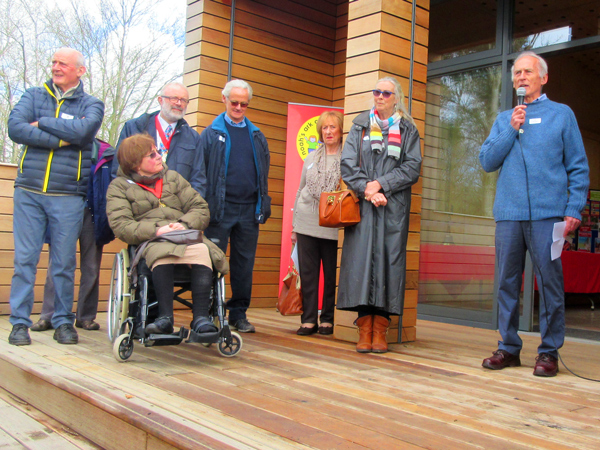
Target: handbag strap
<point>341,185</point>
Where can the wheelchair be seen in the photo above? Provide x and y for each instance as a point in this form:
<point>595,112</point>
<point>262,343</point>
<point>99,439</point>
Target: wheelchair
<point>133,305</point>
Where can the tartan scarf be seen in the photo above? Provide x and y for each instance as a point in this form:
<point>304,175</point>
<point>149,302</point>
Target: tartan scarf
<point>391,127</point>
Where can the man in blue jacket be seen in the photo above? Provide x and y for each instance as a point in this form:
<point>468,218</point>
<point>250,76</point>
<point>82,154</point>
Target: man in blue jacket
<point>175,140</point>
<point>544,178</point>
<point>56,124</point>
<point>237,162</point>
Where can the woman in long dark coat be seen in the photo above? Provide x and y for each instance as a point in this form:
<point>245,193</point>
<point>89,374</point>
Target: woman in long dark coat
<point>381,160</point>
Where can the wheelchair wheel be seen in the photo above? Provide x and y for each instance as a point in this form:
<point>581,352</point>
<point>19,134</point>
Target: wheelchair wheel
<point>229,351</point>
<point>123,347</point>
<point>118,302</point>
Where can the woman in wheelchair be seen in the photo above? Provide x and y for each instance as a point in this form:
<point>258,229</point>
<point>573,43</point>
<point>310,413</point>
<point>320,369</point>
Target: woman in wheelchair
<point>147,200</point>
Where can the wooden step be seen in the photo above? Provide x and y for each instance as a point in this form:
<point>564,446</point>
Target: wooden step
<point>285,391</point>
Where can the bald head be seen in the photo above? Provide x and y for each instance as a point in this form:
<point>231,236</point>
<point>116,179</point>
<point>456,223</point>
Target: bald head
<point>68,66</point>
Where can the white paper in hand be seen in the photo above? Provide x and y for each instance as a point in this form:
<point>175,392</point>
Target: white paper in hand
<point>558,239</point>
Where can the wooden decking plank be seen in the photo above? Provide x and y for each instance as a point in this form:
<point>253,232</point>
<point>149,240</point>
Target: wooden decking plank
<point>287,391</point>
<point>45,422</point>
<point>499,431</point>
<point>91,377</point>
<point>28,432</point>
<point>399,393</point>
<point>318,431</point>
<point>410,428</point>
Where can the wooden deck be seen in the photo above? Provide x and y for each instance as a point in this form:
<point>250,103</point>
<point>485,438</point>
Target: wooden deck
<point>289,392</point>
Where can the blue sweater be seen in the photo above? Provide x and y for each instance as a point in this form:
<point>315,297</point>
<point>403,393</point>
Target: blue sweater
<point>557,166</point>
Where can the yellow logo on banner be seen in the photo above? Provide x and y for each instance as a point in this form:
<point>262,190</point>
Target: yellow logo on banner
<point>308,137</point>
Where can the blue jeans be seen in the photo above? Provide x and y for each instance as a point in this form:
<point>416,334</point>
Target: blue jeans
<point>512,240</point>
<point>90,258</point>
<point>33,213</point>
<point>238,226</point>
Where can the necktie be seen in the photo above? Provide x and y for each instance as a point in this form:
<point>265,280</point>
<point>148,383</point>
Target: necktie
<point>161,146</point>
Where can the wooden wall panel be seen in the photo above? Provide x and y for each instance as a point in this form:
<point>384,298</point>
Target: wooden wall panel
<point>378,45</point>
<point>289,51</point>
<point>328,53</point>
<point>7,176</point>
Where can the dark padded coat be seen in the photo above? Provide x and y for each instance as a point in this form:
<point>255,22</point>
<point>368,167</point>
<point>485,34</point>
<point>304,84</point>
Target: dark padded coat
<point>379,279</point>
<point>46,164</point>
<point>135,214</point>
<point>216,146</point>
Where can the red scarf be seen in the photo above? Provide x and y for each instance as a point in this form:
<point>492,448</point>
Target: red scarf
<point>156,190</point>
<point>163,137</point>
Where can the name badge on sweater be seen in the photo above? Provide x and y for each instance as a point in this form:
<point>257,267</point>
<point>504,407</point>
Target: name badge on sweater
<point>222,139</point>
<point>535,121</point>
<point>66,116</point>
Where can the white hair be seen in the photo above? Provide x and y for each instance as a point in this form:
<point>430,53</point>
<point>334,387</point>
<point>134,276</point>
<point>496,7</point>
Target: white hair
<point>237,84</point>
<point>542,64</point>
<point>399,97</point>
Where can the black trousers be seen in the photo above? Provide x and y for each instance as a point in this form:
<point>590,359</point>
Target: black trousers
<point>239,229</point>
<point>312,252</point>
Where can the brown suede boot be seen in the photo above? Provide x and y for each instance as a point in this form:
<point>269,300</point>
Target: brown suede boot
<point>380,328</point>
<point>365,334</point>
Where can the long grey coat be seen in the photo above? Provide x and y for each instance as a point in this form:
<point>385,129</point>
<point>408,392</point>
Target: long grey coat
<point>373,267</point>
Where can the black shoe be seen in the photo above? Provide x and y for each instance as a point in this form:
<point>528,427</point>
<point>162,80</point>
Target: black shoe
<point>203,324</point>
<point>41,325</point>
<point>243,326</point>
<point>89,325</point>
<point>307,331</point>
<point>162,325</point>
<point>325,330</point>
<point>19,335</point>
<point>66,334</point>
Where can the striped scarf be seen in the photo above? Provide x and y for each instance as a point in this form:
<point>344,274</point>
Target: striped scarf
<point>391,127</point>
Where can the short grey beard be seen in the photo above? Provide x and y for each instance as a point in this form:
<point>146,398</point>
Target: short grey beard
<point>170,116</point>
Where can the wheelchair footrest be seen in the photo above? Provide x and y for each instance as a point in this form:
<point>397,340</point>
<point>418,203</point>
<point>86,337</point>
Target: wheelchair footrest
<point>154,340</point>
<point>203,338</point>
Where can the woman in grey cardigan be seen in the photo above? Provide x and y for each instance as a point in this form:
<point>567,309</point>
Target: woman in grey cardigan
<point>380,162</point>
<point>316,244</point>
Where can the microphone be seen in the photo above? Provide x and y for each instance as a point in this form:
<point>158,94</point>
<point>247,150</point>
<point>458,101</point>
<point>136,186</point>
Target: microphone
<point>521,95</point>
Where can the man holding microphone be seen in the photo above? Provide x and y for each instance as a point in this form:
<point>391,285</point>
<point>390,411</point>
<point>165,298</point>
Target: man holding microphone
<point>544,178</point>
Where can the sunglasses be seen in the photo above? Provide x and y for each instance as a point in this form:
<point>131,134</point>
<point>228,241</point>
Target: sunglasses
<point>386,94</point>
<point>153,155</point>
<point>242,104</point>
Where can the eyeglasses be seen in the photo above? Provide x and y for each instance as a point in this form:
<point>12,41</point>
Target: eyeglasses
<point>242,104</point>
<point>153,155</point>
<point>386,94</point>
<point>183,101</point>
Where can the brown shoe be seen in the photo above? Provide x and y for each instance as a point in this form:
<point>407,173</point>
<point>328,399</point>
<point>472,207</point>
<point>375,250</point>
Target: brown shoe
<point>380,329</point>
<point>546,365</point>
<point>41,325</point>
<point>87,325</point>
<point>500,360</point>
<point>365,334</point>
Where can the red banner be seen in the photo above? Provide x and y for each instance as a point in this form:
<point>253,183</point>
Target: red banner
<point>302,138</point>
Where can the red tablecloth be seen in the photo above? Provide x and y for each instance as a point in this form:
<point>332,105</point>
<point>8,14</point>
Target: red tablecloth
<point>581,272</point>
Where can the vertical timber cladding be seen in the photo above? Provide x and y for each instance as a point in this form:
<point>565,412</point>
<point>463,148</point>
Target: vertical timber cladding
<point>378,45</point>
<point>289,51</point>
<point>8,173</point>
